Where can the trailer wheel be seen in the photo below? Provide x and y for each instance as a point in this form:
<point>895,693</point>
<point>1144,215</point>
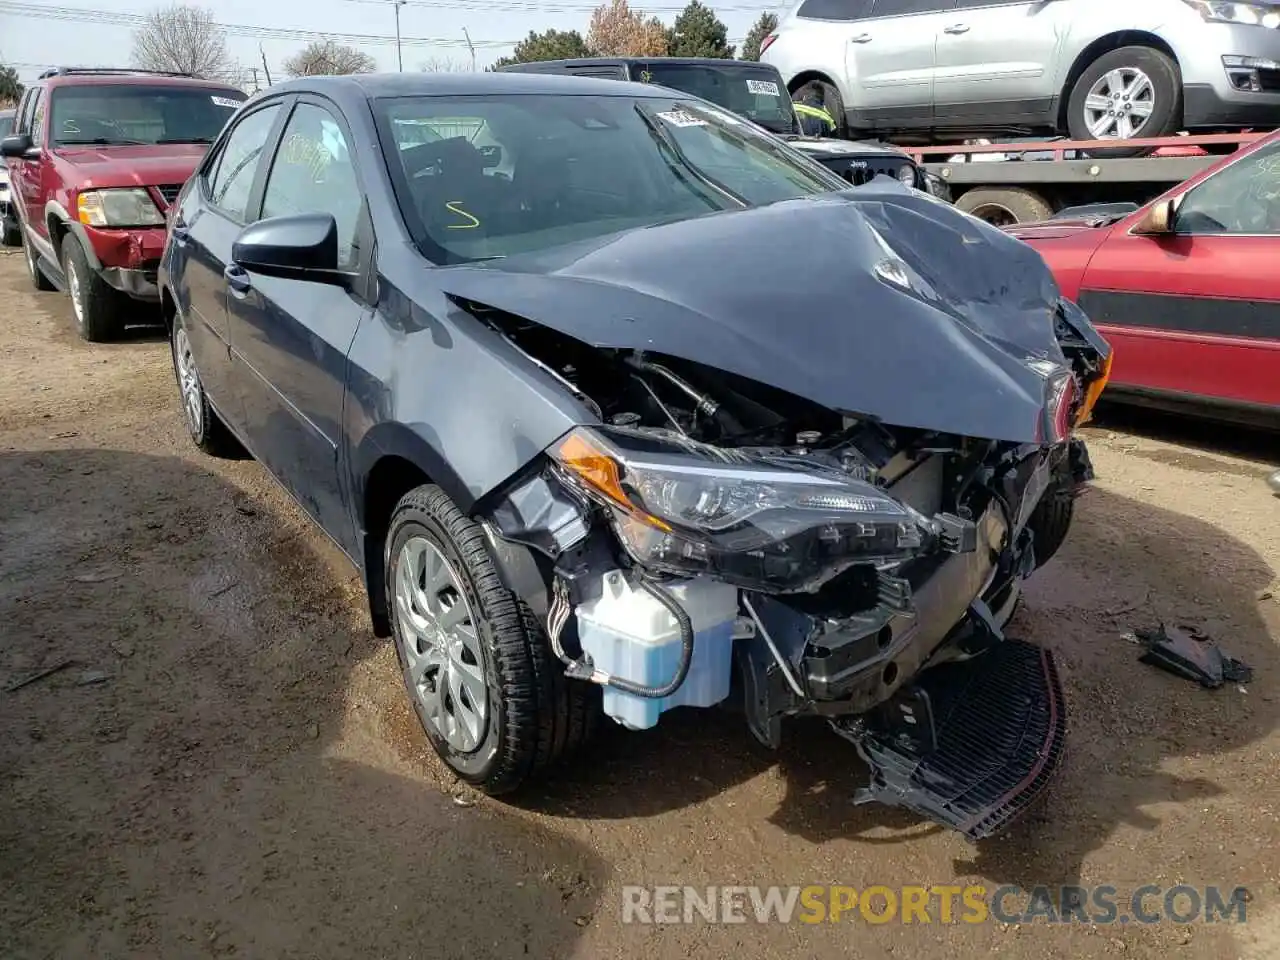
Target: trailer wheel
<point>1005,206</point>
<point>1126,93</point>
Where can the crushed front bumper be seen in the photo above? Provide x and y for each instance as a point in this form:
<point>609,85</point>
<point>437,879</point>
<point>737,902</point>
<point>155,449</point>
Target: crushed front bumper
<point>863,661</point>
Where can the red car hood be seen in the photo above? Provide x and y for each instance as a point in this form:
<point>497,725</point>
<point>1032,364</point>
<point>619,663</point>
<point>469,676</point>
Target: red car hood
<point>133,166</point>
<point>1049,229</point>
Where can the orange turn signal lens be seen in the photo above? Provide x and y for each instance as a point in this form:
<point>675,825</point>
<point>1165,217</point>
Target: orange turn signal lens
<point>599,471</point>
<point>1092,394</point>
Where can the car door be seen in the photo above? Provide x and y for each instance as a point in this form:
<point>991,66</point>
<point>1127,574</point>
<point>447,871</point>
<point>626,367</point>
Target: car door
<point>293,336</point>
<point>26,174</point>
<point>212,215</point>
<point>996,62</point>
<point>1197,312</point>
<point>889,59</point>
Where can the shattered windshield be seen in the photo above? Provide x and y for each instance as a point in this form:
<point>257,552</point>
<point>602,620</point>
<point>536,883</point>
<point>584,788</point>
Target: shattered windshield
<point>517,174</point>
<point>754,92</point>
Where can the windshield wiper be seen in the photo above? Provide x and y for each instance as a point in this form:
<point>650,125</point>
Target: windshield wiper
<point>663,139</point>
<point>185,140</point>
<point>103,142</point>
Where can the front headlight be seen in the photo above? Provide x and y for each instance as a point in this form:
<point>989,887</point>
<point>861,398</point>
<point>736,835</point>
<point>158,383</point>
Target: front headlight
<point>131,207</point>
<point>687,508</point>
<point>1222,11</point>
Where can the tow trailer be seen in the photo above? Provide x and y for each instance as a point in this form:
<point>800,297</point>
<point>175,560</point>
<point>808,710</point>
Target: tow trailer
<point>1036,179</point>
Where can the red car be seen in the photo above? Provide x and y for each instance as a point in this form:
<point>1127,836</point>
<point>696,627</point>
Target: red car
<point>95,158</point>
<point>1186,289</point>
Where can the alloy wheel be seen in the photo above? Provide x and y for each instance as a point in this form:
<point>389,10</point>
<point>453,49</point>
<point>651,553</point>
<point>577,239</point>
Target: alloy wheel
<point>443,663</point>
<point>1119,104</point>
<point>76,289</point>
<point>189,383</point>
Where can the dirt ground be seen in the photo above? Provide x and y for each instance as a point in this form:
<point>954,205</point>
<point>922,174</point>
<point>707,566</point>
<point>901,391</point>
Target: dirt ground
<point>228,768</point>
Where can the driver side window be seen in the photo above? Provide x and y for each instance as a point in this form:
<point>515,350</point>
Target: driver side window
<point>1243,199</point>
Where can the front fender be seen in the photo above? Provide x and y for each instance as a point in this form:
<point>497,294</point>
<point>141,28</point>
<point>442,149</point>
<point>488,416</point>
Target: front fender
<point>442,390</point>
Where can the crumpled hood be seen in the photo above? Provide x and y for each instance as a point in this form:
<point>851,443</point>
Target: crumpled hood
<point>788,295</point>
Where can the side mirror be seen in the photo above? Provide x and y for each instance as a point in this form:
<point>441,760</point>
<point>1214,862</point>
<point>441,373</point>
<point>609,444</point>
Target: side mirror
<point>1158,220</point>
<point>16,147</point>
<point>298,247</point>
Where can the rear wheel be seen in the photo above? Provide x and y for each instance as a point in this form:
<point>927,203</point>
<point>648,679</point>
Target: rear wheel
<point>206,428</point>
<point>831,100</point>
<point>1124,94</point>
<point>1005,206</point>
<point>489,692</point>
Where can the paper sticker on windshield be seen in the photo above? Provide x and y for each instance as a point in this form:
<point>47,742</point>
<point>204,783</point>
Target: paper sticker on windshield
<point>225,102</point>
<point>680,118</point>
<point>763,86</point>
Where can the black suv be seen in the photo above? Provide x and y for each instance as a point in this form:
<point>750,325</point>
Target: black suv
<point>755,91</point>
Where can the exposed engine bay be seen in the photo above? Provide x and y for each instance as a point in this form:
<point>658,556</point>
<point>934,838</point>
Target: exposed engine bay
<point>715,541</point>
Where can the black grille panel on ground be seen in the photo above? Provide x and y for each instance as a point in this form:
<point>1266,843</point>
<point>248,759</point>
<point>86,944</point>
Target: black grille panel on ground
<point>170,192</point>
<point>1000,737</point>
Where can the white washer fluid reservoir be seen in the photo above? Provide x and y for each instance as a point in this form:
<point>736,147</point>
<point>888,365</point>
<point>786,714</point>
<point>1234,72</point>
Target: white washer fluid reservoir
<point>630,634</point>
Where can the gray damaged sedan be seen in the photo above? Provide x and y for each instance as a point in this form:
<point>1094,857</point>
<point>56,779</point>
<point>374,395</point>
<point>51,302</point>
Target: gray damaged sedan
<point>621,405</point>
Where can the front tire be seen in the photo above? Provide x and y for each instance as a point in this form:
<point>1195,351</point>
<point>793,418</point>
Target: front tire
<point>96,306</point>
<point>205,427</point>
<point>489,693</point>
<point>1126,93</point>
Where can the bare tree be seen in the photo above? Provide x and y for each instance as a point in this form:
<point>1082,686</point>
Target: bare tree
<point>444,65</point>
<point>326,58</point>
<point>618,31</point>
<point>185,39</point>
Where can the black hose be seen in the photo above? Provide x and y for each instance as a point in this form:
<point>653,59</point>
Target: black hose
<point>664,597</point>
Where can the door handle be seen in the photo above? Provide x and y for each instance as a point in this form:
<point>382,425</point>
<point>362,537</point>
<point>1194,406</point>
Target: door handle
<point>861,38</point>
<point>956,28</point>
<point>237,280</point>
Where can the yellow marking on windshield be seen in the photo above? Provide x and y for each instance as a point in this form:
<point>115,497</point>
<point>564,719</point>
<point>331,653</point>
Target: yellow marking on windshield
<point>453,207</point>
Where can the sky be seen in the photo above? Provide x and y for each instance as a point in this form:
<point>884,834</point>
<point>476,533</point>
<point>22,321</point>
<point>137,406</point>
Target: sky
<point>36,34</point>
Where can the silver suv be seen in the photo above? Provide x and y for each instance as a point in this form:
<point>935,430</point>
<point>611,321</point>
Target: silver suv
<point>1093,69</point>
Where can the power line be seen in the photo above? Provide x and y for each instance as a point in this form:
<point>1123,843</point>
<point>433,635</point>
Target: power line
<point>559,6</point>
<point>116,18</point>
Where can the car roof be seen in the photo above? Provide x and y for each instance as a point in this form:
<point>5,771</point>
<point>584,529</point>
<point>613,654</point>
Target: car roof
<point>85,76</point>
<point>497,83</point>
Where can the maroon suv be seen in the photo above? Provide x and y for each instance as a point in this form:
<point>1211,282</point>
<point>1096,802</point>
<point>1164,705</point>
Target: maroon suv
<point>95,158</point>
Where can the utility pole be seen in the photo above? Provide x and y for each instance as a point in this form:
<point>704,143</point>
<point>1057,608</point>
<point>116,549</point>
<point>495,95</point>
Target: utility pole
<point>471,47</point>
<point>399,55</point>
